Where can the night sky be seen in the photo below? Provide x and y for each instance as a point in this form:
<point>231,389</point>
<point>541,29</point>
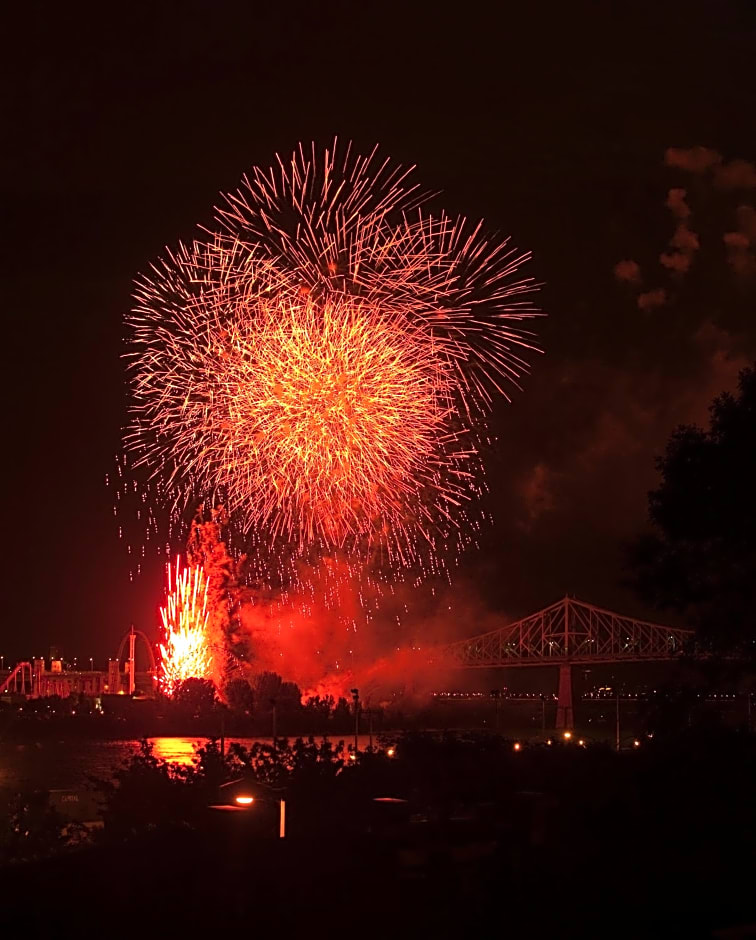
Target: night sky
<point>550,120</point>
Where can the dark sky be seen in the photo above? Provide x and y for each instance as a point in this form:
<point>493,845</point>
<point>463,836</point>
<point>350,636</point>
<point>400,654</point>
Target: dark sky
<point>551,120</point>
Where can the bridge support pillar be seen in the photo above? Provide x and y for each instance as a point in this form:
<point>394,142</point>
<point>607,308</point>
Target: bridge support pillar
<point>565,717</point>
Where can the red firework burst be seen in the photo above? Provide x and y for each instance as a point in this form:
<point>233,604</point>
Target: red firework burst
<point>323,363</point>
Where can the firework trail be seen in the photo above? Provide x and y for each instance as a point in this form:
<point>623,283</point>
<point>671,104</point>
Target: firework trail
<point>322,365</point>
<point>184,652</point>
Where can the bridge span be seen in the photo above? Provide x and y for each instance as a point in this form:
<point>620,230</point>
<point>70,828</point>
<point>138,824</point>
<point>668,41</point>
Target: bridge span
<point>567,633</point>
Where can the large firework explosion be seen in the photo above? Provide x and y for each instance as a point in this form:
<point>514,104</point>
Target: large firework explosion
<point>321,366</point>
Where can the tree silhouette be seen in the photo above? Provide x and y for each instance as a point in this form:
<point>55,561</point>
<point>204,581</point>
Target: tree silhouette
<point>701,558</point>
<point>239,696</point>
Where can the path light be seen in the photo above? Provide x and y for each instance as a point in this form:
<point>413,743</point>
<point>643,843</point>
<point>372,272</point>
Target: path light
<point>567,735</point>
<point>517,746</point>
<point>391,751</point>
<point>244,800</point>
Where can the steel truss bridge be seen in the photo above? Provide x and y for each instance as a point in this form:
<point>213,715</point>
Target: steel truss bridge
<point>569,632</point>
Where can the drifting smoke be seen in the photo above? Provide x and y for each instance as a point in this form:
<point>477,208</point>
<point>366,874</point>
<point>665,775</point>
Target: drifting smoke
<point>723,180</point>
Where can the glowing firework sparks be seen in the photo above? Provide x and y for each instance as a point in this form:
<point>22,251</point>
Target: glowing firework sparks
<point>322,364</point>
<point>184,652</point>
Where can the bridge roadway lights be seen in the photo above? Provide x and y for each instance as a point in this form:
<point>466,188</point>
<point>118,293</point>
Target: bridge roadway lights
<point>565,717</point>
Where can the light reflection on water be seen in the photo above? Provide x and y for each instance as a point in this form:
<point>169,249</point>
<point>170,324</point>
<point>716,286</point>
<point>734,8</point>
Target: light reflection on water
<point>176,750</point>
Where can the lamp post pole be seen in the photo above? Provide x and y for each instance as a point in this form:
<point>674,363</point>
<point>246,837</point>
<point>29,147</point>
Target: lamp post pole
<point>617,722</point>
<point>273,716</point>
<point>356,698</point>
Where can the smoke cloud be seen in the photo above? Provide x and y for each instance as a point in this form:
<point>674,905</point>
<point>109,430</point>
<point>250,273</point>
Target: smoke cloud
<point>628,271</point>
<point>388,650</point>
<point>652,299</point>
<point>694,159</point>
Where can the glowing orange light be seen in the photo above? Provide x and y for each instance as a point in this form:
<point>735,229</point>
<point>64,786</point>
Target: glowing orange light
<point>184,652</point>
<point>391,751</point>
<point>636,743</point>
<point>517,745</point>
<point>245,800</point>
<point>567,735</point>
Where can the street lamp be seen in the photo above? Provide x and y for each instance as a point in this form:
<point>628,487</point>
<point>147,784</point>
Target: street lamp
<point>91,663</point>
<point>356,699</point>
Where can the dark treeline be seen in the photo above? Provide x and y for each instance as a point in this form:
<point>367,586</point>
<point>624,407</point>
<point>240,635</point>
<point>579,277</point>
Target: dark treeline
<point>541,841</point>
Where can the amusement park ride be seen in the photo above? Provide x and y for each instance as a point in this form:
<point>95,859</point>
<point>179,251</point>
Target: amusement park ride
<point>34,680</point>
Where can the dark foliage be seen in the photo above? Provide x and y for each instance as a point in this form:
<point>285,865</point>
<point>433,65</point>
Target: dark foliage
<point>196,697</point>
<point>34,830</point>
<point>701,557</point>
<point>239,697</point>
